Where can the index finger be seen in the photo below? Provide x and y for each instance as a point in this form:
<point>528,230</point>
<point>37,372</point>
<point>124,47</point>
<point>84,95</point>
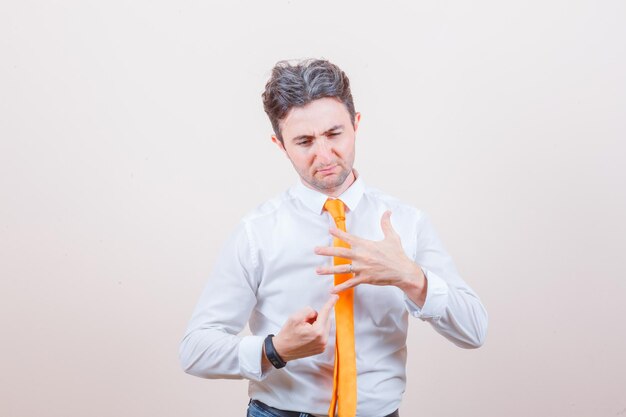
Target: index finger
<point>324,313</point>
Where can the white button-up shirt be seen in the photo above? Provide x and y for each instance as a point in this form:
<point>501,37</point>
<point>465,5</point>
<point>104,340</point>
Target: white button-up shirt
<point>266,272</point>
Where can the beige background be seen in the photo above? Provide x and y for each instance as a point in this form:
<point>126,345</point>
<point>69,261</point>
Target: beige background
<point>132,139</point>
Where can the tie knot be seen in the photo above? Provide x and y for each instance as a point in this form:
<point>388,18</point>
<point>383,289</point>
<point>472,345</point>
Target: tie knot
<point>336,208</point>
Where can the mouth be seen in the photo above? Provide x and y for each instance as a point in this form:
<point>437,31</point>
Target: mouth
<point>327,169</point>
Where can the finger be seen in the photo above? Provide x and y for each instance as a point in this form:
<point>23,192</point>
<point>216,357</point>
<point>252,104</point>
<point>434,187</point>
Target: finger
<point>338,269</point>
<point>350,283</point>
<point>344,236</point>
<point>334,251</point>
<point>328,322</point>
<point>324,313</point>
<point>385,224</point>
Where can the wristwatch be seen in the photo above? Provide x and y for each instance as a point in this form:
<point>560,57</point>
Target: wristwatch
<point>272,355</point>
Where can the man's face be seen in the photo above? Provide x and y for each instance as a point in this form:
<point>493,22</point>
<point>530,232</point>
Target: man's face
<point>319,142</point>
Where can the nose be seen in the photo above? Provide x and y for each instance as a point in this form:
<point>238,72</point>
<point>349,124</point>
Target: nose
<point>323,151</point>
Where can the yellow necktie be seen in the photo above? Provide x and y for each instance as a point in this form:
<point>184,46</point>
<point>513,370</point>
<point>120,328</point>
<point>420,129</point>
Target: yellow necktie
<point>344,384</point>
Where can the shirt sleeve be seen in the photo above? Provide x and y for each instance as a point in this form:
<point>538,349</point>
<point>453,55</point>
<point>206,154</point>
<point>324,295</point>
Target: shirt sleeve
<point>211,347</point>
<point>451,307</point>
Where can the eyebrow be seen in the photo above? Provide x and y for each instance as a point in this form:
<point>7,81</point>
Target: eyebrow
<point>331,130</point>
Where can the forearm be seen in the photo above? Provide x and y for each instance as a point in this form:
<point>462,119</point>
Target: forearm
<point>209,353</point>
<point>455,312</point>
<point>212,353</point>
<point>450,306</point>
<point>211,347</point>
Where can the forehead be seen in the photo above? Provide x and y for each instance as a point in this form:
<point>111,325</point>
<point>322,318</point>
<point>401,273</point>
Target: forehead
<point>315,117</point>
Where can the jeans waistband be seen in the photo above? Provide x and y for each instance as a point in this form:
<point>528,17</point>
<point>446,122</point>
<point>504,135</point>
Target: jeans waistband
<point>282,413</point>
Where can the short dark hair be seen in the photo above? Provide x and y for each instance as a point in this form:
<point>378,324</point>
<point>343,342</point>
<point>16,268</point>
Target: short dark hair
<point>297,84</point>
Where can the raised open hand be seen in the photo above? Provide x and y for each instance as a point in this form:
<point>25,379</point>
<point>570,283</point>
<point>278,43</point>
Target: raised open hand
<point>374,262</point>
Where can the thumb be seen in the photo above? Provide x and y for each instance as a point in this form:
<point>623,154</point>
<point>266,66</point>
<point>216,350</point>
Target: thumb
<point>385,224</point>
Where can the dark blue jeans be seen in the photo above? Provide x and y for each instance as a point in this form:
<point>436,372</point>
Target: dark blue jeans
<point>256,409</point>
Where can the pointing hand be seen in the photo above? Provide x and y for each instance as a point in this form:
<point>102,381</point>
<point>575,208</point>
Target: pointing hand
<point>305,333</point>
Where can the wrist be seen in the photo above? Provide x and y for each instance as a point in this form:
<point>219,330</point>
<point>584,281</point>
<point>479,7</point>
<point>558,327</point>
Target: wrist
<point>412,278</point>
<point>272,354</point>
<point>282,348</point>
<point>414,284</point>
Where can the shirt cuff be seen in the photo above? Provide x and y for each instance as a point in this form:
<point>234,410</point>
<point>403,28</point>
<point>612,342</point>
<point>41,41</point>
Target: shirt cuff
<point>436,299</point>
<point>250,351</point>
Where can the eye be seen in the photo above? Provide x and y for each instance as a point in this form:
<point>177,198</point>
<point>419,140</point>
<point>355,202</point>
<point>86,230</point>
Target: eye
<point>334,134</point>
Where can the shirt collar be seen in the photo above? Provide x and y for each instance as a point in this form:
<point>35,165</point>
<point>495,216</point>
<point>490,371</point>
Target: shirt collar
<point>315,200</point>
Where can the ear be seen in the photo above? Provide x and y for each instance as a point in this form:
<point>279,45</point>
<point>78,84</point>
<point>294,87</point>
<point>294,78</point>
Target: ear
<point>279,144</point>
<point>357,119</point>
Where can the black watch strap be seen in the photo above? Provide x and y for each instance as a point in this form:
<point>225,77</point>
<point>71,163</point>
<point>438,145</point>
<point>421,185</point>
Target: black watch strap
<point>272,355</point>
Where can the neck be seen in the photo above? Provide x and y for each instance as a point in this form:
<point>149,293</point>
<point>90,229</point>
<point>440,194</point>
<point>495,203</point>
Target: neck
<point>343,187</point>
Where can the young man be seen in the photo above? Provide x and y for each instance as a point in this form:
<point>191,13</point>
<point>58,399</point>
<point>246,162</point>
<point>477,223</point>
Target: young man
<point>295,268</point>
